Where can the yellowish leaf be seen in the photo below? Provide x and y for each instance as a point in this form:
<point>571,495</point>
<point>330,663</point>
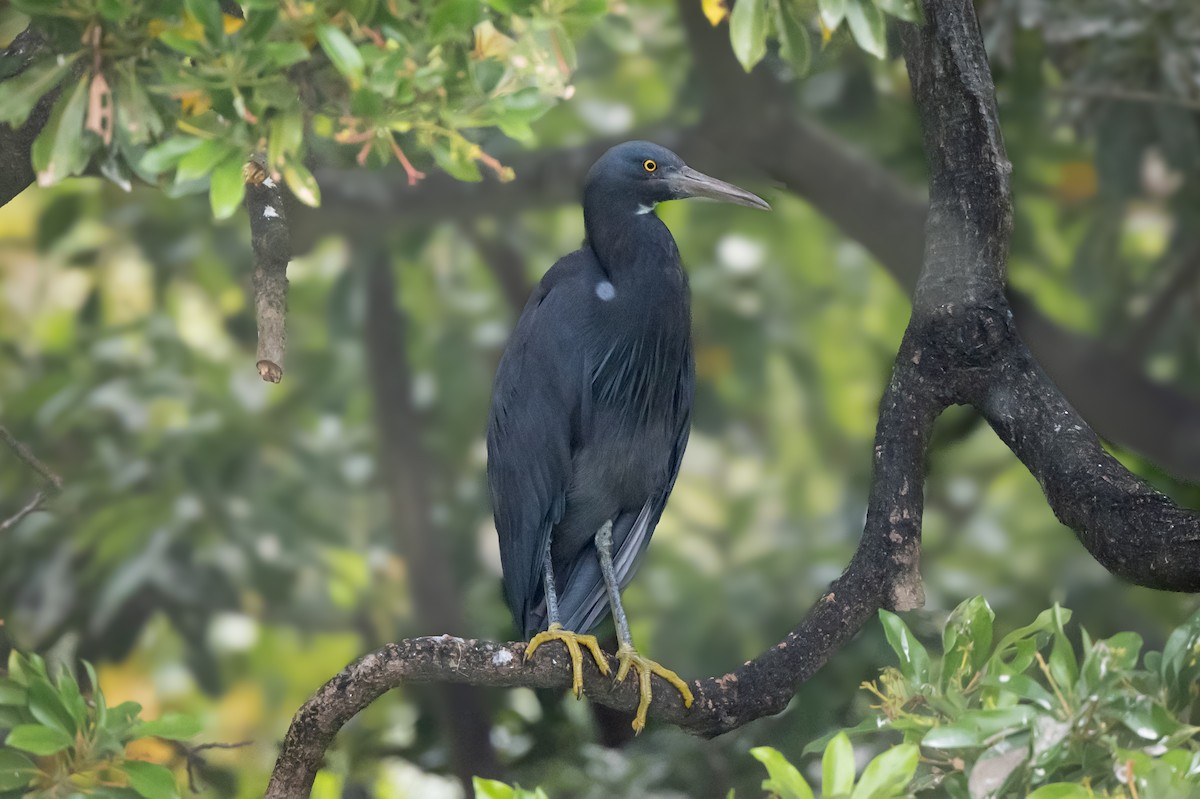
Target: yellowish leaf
<point>191,29</point>
<point>152,750</point>
<point>715,10</point>
<point>490,43</point>
<point>1077,181</point>
<point>826,31</point>
<point>232,24</point>
<point>195,102</point>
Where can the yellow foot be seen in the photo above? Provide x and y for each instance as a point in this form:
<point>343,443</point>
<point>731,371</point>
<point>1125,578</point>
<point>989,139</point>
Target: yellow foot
<point>627,656</point>
<point>571,641</point>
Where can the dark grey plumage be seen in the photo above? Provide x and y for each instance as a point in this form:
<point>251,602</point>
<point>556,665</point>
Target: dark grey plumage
<point>593,396</point>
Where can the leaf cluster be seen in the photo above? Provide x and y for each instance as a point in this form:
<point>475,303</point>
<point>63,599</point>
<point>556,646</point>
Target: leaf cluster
<point>753,23</point>
<point>61,743</point>
<point>1032,715</point>
<point>180,92</point>
<point>886,777</point>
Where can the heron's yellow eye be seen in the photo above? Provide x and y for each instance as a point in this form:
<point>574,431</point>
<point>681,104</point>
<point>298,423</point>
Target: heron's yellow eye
<point>649,165</point>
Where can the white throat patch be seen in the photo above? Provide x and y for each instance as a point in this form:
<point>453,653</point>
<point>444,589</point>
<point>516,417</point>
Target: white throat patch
<point>605,290</point>
<point>645,209</point>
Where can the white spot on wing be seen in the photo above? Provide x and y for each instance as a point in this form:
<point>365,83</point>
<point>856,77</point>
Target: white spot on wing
<point>605,290</point>
<point>270,212</point>
<point>645,209</point>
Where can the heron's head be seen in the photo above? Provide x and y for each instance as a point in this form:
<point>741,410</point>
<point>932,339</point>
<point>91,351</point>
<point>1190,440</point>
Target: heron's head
<point>639,175</point>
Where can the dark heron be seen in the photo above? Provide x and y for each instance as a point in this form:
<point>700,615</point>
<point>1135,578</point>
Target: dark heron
<point>591,409</point>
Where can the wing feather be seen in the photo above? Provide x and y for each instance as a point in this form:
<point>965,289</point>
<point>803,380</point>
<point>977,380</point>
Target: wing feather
<point>582,610</point>
<point>535,403</point>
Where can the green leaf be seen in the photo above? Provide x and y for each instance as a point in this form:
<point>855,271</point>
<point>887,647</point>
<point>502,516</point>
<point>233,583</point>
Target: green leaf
<point>165,155</point>
<point>966,641</point>
<point>1064,667</point>
<point>62,148</point>
<point>286,137</point>
<point>1061,790</point>
<point>867,26</point>
<point>341,51</point>
<point>837,766</point>
<point>914,660</point>
<point>491,789</point>
<point>974,728</point>
<point>794,41</point>
<point>201,161</point>
<point>907,10</point>
<point>285,54</point>
<point>48,708</point>
<point>1021,686</point>
<point>748,32</point>
<point>72,700</point>
<point>151,780</point>
<point>1180,664</point>
<point>1042,624</point>
<point>456,161</point>
<point>38,740</point>
<point>97,695</point>
<point>832,12</point>
<point>871,724</point>
<point>225,192</point>
<point>11,693</point>
<point>302,183</point>
<point>208,14</point>
<point>16,770</point>
<point>259,21</point>
<point>134,110</point>
<point>18,95</point>
<point>783,778</point>
<point>449,18</point>
<point>174,726</point>
<point>888,774</point>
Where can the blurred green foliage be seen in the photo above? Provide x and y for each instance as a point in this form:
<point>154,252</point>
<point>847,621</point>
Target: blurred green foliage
<point>221,547</point>
<point>61,744</point>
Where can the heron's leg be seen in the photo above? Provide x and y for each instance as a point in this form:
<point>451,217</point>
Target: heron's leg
<point>627,656</point>
<point>555,632</point>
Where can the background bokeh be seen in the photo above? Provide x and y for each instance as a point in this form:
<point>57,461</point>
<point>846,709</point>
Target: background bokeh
<point>222,546</point>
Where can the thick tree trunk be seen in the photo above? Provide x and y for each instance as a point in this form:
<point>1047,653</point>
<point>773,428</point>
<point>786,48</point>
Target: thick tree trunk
<point>404,467</point>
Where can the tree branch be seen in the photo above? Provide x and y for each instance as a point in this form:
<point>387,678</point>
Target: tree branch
<point>960,346</point>
<point>45,472</point>
<point>16,167</point>
<point>270,239</point>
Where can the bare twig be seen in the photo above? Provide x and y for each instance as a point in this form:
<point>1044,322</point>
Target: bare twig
<point>35,503</point>
<point>24,453</point>
<point>271,240</point>
<point>194,758</point>
<point>45,472</point>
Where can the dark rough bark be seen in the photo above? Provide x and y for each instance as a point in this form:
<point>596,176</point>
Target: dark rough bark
<point>404,467</point>
<point>271,241</point>
<point>961,346</point>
